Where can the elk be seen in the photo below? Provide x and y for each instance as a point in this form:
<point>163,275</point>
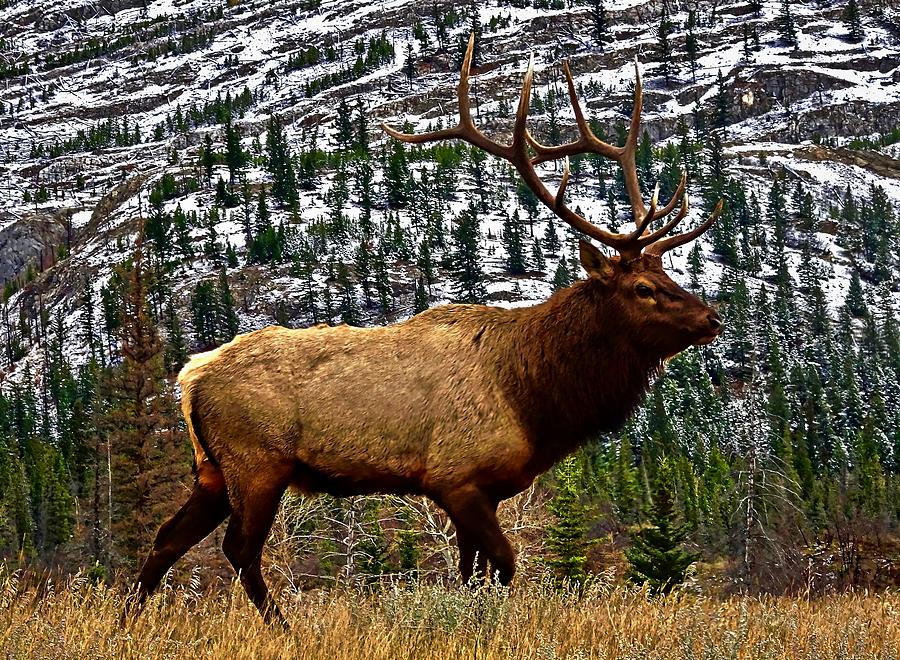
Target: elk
<point>464,404</point>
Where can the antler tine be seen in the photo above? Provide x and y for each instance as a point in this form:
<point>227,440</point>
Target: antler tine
<point>641,226</point>
<point>650,238</point>
<point>466,129</point>
<point>679,193</point>
<point>667,244</point>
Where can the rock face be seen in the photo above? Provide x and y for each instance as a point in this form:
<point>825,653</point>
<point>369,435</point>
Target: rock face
<point>27,241</point>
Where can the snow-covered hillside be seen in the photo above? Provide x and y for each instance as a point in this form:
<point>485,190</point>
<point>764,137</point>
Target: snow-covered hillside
<point>76,72</point>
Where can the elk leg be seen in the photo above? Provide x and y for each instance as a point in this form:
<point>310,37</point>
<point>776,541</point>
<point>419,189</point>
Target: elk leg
<point>471,556</point>
<point>251,521</point>
<point>204,511</point>
<point>475,516</point>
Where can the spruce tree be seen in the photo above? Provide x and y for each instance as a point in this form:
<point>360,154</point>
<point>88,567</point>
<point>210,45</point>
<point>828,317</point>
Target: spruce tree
<point>722,116</point>
<point>787,30</point>
<point>514,245</point>
<point>691,44</point>
<point>656,556</point>
<point>235,157</point>
<point>664,50</point>
<point>344,125</point>
<point>475,29</point>
<point>853,21</point>
<point>146,460</point>
<point>468,278</point>
<point>599,23</point>
<point>420,301</point>
<point>228,323</point>
<point>566,537</point>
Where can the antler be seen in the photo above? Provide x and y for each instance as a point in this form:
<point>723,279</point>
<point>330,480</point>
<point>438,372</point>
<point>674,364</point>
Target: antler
<point>629,245</point>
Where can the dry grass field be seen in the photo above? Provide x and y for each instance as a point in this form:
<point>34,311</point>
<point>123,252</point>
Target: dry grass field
<point>75,619</point>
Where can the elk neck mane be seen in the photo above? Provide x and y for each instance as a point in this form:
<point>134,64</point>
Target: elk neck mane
<point>571,367</point>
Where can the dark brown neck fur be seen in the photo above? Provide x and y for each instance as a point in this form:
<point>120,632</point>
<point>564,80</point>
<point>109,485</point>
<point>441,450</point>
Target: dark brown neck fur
<point>573,370</point>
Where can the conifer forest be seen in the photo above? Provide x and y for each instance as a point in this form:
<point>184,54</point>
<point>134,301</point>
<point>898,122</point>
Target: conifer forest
<point>176,173</point>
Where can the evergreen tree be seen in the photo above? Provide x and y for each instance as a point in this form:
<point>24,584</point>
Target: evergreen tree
<point>599,23</point>
<point>144,446</point>
<point>664,50</point>
<point>468,279</point>
<point>235,157</point>
<point>853,21</point>
<point>420,302</point>
<point>476,30</point>
<point>205,312</point>
<point>561,278</point>
<point>228,322</point>
<point>722,116</point>
<point>344,125</point>
<point>397,176</point>
<point>349,307</point>
<point>656,555</point>
<point>566,537</point>
<point>691,44</point>
<point>514,245</point>
<point>787,31</point>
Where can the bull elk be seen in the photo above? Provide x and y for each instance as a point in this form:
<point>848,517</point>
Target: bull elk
<point>465,404</point>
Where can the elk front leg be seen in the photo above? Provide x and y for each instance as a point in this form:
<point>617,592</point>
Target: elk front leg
<point>475,517</point>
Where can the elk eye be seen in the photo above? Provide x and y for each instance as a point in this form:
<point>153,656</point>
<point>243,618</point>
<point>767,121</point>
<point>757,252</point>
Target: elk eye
<point>644,291</point>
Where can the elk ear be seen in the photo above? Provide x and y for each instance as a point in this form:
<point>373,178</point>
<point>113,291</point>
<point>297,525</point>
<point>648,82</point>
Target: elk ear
<point>595,262</point>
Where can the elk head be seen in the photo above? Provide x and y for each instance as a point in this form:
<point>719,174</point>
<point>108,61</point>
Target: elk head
<point>657,314</point>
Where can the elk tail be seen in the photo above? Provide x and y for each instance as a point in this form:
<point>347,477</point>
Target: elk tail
<point>207,471</point>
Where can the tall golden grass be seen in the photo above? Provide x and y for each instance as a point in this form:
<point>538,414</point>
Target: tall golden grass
<point>77,619</point>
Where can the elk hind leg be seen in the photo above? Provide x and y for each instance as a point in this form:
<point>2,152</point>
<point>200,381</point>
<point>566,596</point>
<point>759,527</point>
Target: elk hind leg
<point>253,511</point>
<point>205,510</point>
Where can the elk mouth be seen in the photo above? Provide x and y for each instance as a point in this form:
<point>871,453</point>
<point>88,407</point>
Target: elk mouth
<point>708,338</point>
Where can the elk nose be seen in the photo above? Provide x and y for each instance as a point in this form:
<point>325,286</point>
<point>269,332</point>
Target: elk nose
<point>714,321</point>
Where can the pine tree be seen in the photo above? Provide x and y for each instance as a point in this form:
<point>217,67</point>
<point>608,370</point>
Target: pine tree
<point>344,125</point>
<point>467,276</point>
<point>144,447</point>
<point>551,239</point>
<point>566,537</point>
<point>475,29</point>
<point>664,51</point>
<point>691,44</point>
<point>235,157</point>
<point>420,302</point>
<point>349,307</point>
<point>722,116</point>
<point>205,312</point>
<point>561,278</point>
<point>656,555</point>
<point>599,23</point>
<point>208,159</point>
<point>409,64</point>
<point>228,320</point>
<point>787,31</point>
<point>514,245</point>
<point>397,176</point>
<point>853,21</point>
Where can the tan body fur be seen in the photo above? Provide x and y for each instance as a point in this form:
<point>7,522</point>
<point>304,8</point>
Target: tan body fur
<point>411,408</point>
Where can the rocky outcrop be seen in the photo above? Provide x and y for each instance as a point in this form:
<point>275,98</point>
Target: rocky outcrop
<point>30,240</point>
